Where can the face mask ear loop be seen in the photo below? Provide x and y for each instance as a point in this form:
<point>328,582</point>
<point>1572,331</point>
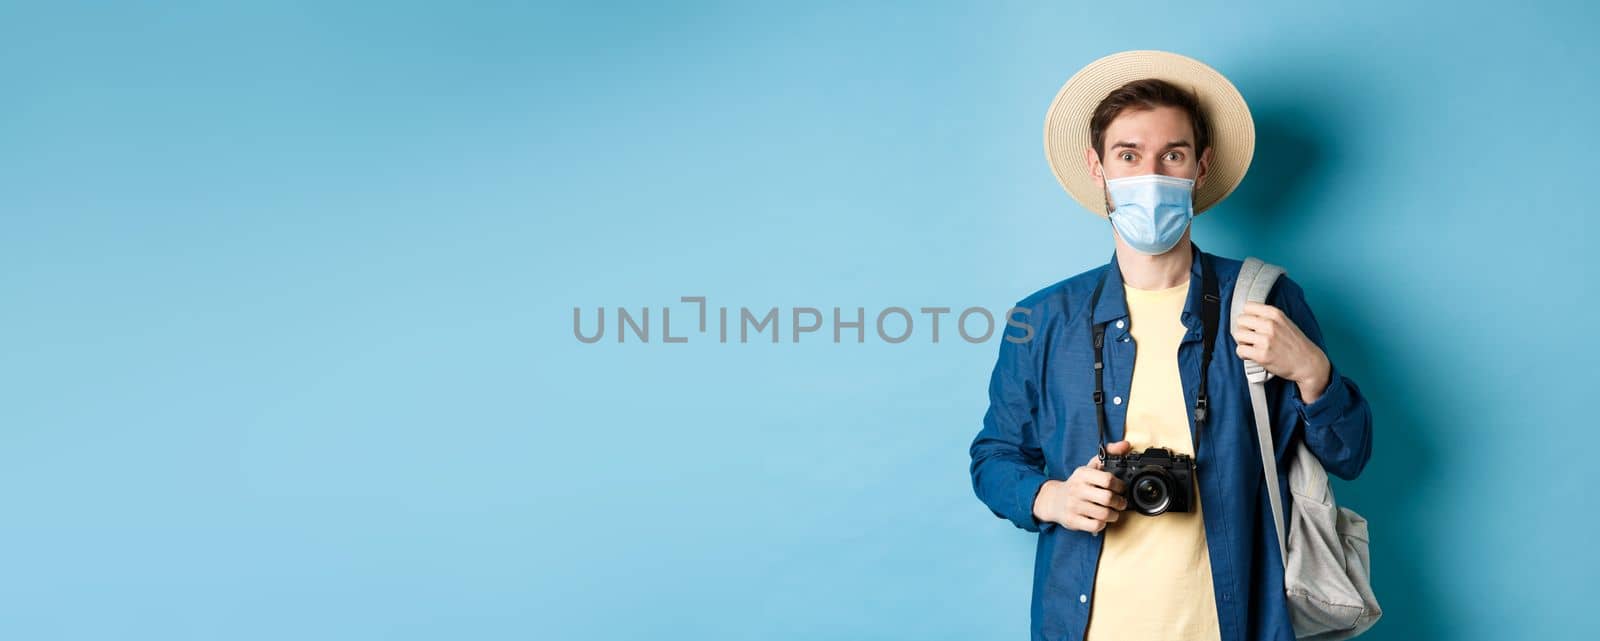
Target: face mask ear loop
<point>1105,191</point>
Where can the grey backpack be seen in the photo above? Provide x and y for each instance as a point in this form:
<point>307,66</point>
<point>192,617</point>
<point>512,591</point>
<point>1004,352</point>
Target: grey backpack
<point>1327,576</point>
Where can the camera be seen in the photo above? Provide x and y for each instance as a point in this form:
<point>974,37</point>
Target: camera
<point>1158,480</point>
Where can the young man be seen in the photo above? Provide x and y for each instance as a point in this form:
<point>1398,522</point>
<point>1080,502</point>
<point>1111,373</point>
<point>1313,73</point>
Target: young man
<point>1147,139</point>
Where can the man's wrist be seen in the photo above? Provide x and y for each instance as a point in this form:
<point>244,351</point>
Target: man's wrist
<point>1042,502</point>
<point>1312,387</point>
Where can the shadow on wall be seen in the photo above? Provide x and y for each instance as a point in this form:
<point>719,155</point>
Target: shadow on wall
<point>1292,154</point>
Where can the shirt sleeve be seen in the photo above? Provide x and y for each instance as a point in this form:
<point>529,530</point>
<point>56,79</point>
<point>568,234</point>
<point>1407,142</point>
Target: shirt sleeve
<point>1338,425</point>
<point>1007,463</point>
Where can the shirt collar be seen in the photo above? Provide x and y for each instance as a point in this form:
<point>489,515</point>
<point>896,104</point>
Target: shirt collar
<point>1113,305</point>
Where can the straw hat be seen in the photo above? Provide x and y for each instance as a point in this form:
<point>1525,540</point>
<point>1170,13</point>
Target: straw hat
<point>1066,125</point>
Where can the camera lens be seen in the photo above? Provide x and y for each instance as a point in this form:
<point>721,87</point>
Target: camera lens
<point>1150,495</point>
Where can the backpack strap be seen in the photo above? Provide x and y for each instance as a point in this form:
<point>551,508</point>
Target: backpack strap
<point>1254,283</point>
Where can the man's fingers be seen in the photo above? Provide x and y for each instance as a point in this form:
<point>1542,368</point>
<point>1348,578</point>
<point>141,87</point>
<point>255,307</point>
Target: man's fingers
<point>1098,496</point>
<point>1249,337</point>
<point>1106,498</point>
<point>1095,517</point>
<point>1253,353</point>
<point>1089,524</point>
<point>1115,449</point>
<point>1104,479</point>
<point>1263,310</point>
<point>1253,323</point>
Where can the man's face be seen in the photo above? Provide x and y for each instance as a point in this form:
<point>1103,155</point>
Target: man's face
<point>1150,141</point>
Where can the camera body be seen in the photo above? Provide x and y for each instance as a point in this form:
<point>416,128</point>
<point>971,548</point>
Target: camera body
<point>1158,480</point>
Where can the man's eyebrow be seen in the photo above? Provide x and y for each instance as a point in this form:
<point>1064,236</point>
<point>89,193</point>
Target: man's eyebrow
<point>1134,145</point>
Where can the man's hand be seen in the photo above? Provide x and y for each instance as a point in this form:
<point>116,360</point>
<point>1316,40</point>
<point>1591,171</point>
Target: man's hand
<point>1267,336</point>
<point>1088,500</point>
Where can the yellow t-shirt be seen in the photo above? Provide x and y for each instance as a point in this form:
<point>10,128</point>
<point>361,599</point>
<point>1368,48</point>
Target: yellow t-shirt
<point>1154,578</point>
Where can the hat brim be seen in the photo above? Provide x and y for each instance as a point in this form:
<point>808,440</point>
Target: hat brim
<point>1066,125</point>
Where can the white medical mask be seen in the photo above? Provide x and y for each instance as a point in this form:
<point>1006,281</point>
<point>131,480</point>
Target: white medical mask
<point>1152,210</point>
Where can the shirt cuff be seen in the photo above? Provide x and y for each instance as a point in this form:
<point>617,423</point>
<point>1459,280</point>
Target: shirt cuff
<point>1328,407</point>
<point>1027,492</point>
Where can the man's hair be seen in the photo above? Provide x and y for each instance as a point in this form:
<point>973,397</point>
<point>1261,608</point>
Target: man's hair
<point>1144,95</point>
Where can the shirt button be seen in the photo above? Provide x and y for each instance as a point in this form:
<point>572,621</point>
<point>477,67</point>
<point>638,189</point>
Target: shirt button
<point>1119,324</point>
<point>1115,400</point>
<point>1083,598</point>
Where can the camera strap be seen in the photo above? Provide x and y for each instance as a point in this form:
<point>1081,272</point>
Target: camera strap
<point>1210,313</point>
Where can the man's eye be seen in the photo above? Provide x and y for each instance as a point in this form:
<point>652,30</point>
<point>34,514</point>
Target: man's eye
<point>1175,156</point>
<point>1127,157</point>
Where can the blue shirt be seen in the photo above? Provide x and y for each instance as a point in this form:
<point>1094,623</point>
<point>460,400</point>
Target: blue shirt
<point>1041,425</point>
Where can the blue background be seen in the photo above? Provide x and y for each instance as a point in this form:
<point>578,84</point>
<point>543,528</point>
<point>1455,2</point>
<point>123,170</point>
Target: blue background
<point>288,294</point>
